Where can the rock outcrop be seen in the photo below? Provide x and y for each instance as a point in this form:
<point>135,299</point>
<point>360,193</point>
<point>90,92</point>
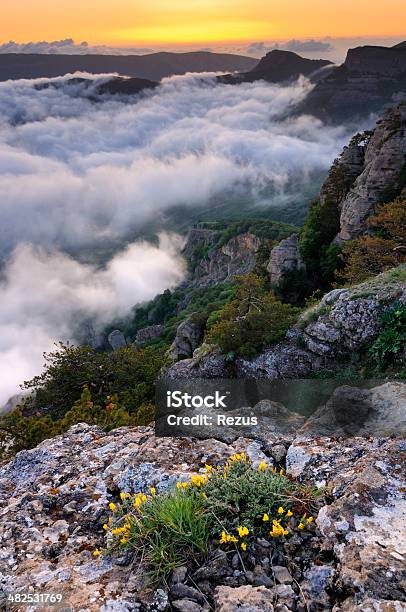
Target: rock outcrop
<point>117,340</point>
<point>383,175</point>
<point>54,498</point>
<point>146,334</point>
<point>213,264</point>
<point>370,170</point>
<point>189,336</point>
<point>285,259</point>
<point>370,78</point>
<point>344,171</point>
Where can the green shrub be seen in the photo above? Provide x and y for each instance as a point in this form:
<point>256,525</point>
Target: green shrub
<point>253,319</point>
<point>321,226</point>
<point>129,373</point>
<point>368,255</point>
<point>228,506</point>
<point>19,431</point>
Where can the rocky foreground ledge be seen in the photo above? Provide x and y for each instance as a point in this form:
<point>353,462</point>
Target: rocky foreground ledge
<point>53,502</point>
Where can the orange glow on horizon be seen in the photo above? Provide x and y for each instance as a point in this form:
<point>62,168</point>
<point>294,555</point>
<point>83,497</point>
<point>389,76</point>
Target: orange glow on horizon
<point>181,22</point>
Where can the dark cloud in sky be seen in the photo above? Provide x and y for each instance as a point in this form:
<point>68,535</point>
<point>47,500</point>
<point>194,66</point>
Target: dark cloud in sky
<point>69,47</point>
<point>297,46</point>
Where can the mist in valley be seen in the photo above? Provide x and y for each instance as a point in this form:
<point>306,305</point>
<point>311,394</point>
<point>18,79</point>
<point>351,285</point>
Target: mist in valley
<point>81,174</point>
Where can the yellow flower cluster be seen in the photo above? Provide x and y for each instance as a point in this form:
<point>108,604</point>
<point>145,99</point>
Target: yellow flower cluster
<point>278,529</point>
<point>305,519</point>
<point>237,457</point>
<point>199,479</point>
<point>227,537</point>
<point>242,531</point>
<point>182,485</point>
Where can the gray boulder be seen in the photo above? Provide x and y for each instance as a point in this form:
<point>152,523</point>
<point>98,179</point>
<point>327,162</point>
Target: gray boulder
<point>285,258</point>
<point>189,336</point>
<point>378,412</point>
<point>146,334</point>
<point>117,340</point>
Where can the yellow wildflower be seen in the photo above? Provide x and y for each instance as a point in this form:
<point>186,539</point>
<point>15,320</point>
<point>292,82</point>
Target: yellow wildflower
<point>105,527</point>
<point>282,472</point>
<point>262,466</point>
<point>144,498</point>
<point>112,507</point>
<point>280,510</point>
<point>153,491</point>
<point>122,496</point>
<point>310,519</point>
<point>265,517</point>
<point>116,531</point>
<point>223,538</point>
<point>274,470</point>
<point>289,513</point>
<point>300,526</point>
<point>242,531</point>
<point>96,552</point>
<point>243,546</point>
<point>137,502</point>
<point>123,540</point>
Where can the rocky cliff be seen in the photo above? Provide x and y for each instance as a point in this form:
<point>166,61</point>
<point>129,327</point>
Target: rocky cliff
<point>212,263</point>
<point>285,258</point>
<point>370,78</point>
<point>341,324</point>
<point>383,174</point>
<point>371,170</point>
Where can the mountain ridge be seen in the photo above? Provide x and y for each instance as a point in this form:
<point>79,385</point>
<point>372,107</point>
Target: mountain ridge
<point>278,66</point>
<point>154,66</point>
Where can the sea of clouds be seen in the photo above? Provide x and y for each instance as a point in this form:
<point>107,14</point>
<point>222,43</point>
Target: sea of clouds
<point>76,175</point>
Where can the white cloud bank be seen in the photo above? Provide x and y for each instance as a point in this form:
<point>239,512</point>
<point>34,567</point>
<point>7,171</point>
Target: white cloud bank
<point>45,295</point>
<point>78,175</point>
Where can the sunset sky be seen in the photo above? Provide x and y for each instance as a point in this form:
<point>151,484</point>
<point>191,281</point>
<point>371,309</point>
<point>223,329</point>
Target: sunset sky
<point>162,22</point>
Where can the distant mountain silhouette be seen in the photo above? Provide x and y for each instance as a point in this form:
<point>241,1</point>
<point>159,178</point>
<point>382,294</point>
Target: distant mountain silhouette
<point>154,66</point>
<point>370,78</point>
<point>278,66</point>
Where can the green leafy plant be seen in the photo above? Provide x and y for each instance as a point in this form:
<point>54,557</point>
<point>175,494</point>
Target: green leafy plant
<point>165,530</point>
<point>391,341</point>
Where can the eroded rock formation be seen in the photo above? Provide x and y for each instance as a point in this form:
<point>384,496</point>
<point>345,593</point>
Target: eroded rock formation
<point>285,259</point>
